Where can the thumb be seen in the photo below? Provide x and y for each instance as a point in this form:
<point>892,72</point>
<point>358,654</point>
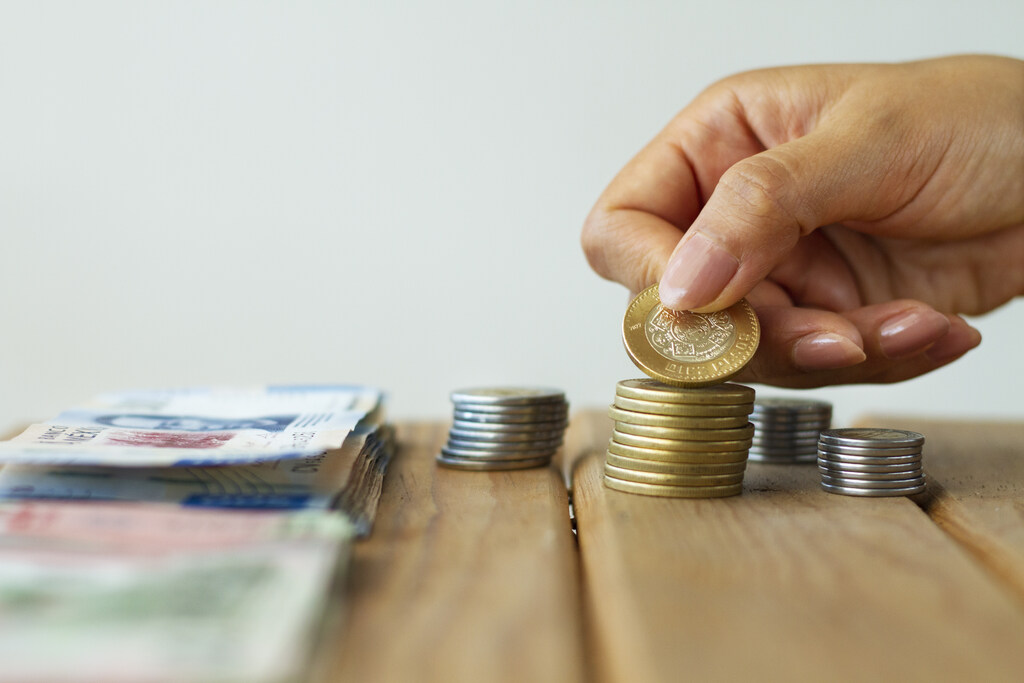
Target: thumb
<point>759,209</point>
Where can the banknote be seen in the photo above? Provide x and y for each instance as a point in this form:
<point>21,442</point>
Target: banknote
<point>196,427</point>
<point>132,592</point>
<point>341,478</point>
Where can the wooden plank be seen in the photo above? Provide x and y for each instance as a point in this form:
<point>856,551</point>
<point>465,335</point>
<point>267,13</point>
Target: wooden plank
<point>467,576</point>
<point>976,488</point>
<point>784,583</point>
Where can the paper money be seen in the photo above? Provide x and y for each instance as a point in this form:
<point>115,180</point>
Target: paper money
<point>342,478</point>
<point>109,592</point>
<point>196,427</point>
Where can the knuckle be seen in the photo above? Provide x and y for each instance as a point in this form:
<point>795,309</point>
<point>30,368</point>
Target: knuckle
<point>760,186</point>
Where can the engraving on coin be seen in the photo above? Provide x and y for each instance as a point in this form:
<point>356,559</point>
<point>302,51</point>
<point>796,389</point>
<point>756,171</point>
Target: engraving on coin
<point>688,349</point>
<point>689,337</point>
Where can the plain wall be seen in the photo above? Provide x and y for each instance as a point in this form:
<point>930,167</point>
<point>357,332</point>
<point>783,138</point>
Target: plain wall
<point>384,193</point>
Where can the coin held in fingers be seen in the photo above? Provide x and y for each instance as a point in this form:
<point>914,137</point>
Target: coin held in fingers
<point>688,349</point>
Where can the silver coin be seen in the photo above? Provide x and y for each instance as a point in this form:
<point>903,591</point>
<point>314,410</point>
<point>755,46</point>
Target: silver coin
<point>479,454</point>
<point>872,476</point>
<point>872,437</point>
<point>508,396</point>
<point>870,452</point>
<point>782,455</point>
<point>470,426</point>
<point>904,460</point>
<point>873,484</point>
<point>496,418</point>
<point>761,440</point>
<point>807,429</point>
<point>541,409</point>
<point>504,446</point>
<point>490,465</point>
<point>769,458</point>
<point>861,467</point>
<point>872,493</point>
<point>792,405</point>
<point>791,421</point>
<point>504,437</point>
<point>772,432</point>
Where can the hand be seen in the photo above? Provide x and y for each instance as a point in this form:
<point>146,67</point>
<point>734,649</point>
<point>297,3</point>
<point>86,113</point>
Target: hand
<point>859,208</point>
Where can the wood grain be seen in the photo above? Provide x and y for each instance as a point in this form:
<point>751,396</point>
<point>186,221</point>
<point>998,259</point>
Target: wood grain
<point>976,488</point>
<point>784,583</point>
<point>468,576</point>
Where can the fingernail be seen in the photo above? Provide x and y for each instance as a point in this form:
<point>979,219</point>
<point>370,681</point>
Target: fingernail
<point>910,332</point>
<point>826,351</point>
<point>960,340</point>
<point>696,274</point>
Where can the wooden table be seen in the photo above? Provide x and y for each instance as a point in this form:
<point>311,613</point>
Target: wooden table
<point>479,577</point>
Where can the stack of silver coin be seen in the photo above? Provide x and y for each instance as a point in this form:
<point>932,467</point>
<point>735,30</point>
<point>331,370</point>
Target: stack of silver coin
<point>786,429</point>
<point>505,428</point>
<point>871,462</point>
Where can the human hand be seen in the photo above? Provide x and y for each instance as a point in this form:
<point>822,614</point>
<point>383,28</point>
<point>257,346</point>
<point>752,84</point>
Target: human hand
<point>859,208</point>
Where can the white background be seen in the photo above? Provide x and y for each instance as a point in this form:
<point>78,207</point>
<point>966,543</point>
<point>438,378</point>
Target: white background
<point>385,193</point>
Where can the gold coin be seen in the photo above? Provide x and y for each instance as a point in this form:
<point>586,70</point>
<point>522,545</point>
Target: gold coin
<point>670,421</point>
<point>646,389</point>
<point>673,491</point>
<point>689,349</point>
<point>704,452</point>
<point>665,479</point>
<point>682,409</point>
<point>743,435</point>
<point>638,465</point>
<point>684,428</point>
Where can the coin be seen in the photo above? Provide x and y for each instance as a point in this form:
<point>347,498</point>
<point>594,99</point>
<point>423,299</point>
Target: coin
<point>872,493</point>
<point>688,349</point>
<point>701,435</point>
<point>793,406</point>
<point>681,409</point>
<point>854,451</point>
<point>490,465</point>
<point>508,396</point>
<point>470,426</point>
<point>476,454</point>
<point>652,390</point>
<point>668,421</point>
<point>673,491</point>
<point>856,467</point>
<point>638,465</point>
<point>557,409</point>
<point>683,432</point>
<point>871,476</point>
<point>504,446</point>
<point>665,479</point>
<point>504,437</point>
<point>549,421</point>
<point>780,459</point>
<point>869,460</point>
<point>703,452</point>
<point>872,437</point>
<point>872,483</point>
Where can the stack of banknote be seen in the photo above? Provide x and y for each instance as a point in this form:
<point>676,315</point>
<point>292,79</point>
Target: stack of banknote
<point>183,535</point>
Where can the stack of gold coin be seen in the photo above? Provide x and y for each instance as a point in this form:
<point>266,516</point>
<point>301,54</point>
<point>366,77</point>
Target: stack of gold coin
<point>679,442</point>
<point>504,428</point>
<point>871,462</point>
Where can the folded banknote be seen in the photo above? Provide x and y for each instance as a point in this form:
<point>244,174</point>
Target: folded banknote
<point>196,427</point>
